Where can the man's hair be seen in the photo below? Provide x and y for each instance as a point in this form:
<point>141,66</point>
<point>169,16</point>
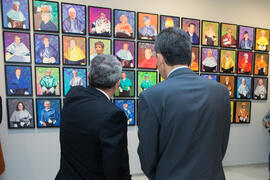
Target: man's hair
<point>174,45</point>
<point>245,32</point>
<point>191,24</point>
<point>99,43</point>
<point>104,71</point>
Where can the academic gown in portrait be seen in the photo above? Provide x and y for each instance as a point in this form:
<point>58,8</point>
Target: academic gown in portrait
<point>47,54</point>
<point>148,63</point>
<point>76,81</point>
<point>123,30</point>
<point>74,56</point>
<point>262,43</point>
<point>125,57</point>
<point>16,19</point>
<point>73,26</point>
<point>260,92</point>
<point>210,64</point>
<point>243,91</point>
<point>18,86</point>
<point>48,83</point>
<point>261,67</point>
<point>20,119</point>
<point>148,32</point>
<point>228,41</point>
<point>146,84</point>
<point>227,65</point>
<point>101,27</point>
<point>17,52</point>
<point>245,67</point>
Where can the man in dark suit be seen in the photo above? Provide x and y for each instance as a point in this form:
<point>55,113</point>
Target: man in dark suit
<point>93,131</point>
<point>184,121</point>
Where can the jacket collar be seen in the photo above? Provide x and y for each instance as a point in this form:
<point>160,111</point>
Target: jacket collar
<point>181,71</point>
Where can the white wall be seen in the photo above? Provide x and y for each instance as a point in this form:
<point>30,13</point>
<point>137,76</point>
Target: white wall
<point>34,154</point>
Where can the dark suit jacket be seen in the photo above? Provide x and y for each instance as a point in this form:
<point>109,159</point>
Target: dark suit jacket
<point>184,125</point>
<point>93,138</point>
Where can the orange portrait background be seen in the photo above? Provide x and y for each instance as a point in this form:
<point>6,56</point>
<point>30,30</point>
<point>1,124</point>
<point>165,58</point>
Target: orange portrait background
<point>153,19</point>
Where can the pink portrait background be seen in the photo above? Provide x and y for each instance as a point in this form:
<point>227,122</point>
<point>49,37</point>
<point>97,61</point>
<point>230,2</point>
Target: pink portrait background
<point>94,14</point>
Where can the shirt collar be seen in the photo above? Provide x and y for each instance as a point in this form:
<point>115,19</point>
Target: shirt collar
<point>103,93</point>
<point>174,69</point>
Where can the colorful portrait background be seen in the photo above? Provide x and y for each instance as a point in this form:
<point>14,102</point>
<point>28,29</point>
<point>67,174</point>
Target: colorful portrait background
<point>238,107</point>
<point>107,46</point>
<point>205,28</point>
<point>224,28</point>
<point>215,54</point>
<point>141,53</point>
<point>232,111</point>
<point>94,13</point>
<point>131,107</point>
<point>248,83</point>
<point>187,21</point>
<point>130,16</point>
<point>169,21</point>
<point>68,76</point>
<point>222,80</point>
<point>255,84</point>
<point>223,55</point>
<point>242,30</point>
<point>241,60</point>
<point>258,64</point>
<point>153,20</point>
<point>210,76</point>
<point>141,78</point>
<point>194,66</point>
<point>131,76</point>
<point>118,44</point>
<point>262,40</point>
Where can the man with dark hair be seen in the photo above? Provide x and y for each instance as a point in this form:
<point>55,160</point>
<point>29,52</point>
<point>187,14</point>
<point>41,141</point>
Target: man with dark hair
<point>194,39</point>
<point>246,43</point>
<point>93,131</point>
<point>184,121</point>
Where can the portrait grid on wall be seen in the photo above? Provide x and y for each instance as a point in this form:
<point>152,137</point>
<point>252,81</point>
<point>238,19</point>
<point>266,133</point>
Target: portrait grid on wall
<point>74,50</point>
<point>227,61</point>
<point>232,103</point>
<point>124,51</point>
<point>147,26</point>
<point>169,21</point>
<point>244,62</point>
<point>127,85</point>
<point>209,59</point>
<point>146,79</point>
<point>17,47</point>
<point>245,37</point>
<point>48,113</point>
<point>18,80</point>
<point>128,106</point>
<point>124,23</point>
<point>243,88</point>
<point>48,81</point>
<point>229,83</point>
<point>261,64</point>
<point>73,18</point>
<point>146,55</point>
<point>74,77</point>
<point>228,35</point>
<point>15,14</point>
<point>47,49</point>
<point>99,46</point>
<point>210,33</point>
<point>210,76</point>
<point>192,28</point>
<point>262,39</point>
<point>260,88</point>
<point>20,113</point>
<point>194,64</point>
<point>242,112</point>
<point>100,21</point>
<point>46,16</point>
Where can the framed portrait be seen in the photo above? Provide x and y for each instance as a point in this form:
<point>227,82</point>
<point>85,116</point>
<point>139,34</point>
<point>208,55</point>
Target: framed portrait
<point>48,81</point>
<point>169,21</point>
<point>243,89</point>
<point>229,82</point>
<point>99,46</point>
<point>146,79</point>
<point>232,111</point>
<point>261,64</point>
<point>260,88</point>
<point>18,80</point>
<point>73,18</point>
<point>124,24</point>
<point>194,64</point>
<point>127,85</point>
<point>128,106</point>
<point>48,113</point>
<point>125,52</point>
<point>20,113</point>
<point>17,47</point>
<point>147,26</point>
<point>192,28</point>
<point>100,21</point>
<point>210,33</point>
<point>245,61</point>
<point>210,76</point>
<point>227,61</point>
<point>15,14</point>
<point>242,112</point>
<point>246,37</point>
<point>74,50</point>
<point>47,49</point>
<point>146,55</point>
<point>46,16</point>
<point>209,59</point>
<point>228,35</point>
<point>262,39</point>
<point>74,77</point>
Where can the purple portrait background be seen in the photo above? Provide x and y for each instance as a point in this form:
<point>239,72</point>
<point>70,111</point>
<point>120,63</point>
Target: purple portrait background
<point>241,56</point>
<point>214,54</point>
<point>9,38</point>
<point>94,14</point>
<point>175,20</point>
<point>250,31</point>
<point>131,47</point>
<point>185,23</point>
<point>80,12</point>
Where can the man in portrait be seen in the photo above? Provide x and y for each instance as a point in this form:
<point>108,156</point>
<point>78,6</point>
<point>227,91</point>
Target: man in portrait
<point>46,23</point>
<point>243,114</point>
<point>76,80</point>
<point>127,112</point>
<point>227,64</point>
<point>123,28</point>
<point>243,89</point>
<point>261,66</point>
<point>146,83</point>
<point>72,24</point>
<point>125,56</point>
<point>228,84</point>
<point>194,64</point>
<point>244,65</point>
<point>260,90</point>
<point>210,62</point>
<point>48,115</point>
<point>194,39</point>
<point>210,36</point>
<point>149,61</point>
<point>125,85</point>
<point>99,47</point>
<point>246,43</point>
<point>227,39</point>
<point>15,17</point>
<point>148,31</point>
<point>74,54</point>
<point>17,51</point>
<point>17,85</point>
<point>48,83</point>
<point>262,42</point>
<point>101,26</point>
<point>47,53</point>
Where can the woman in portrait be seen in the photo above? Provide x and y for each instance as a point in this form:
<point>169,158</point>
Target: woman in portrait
<point>46,19</point>
<point>20,117</point>
<point>123,28</point>
<point>210,36</point>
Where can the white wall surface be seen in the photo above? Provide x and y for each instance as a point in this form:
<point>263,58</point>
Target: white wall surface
<point>35,154</point>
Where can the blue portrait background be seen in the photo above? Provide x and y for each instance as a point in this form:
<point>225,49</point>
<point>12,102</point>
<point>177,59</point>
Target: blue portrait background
<point>176,21</point>
<point>248,82</point>
<point>54,42</point>
<point>131,107</point>
<point>55,104</point>
<point>68,76</point>
<point>130,16</point>
<point>25,75</point>
<point>212,76</point>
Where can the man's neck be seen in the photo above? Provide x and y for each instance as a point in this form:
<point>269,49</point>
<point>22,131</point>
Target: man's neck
<point>170,69</point>
<point>107,92</point>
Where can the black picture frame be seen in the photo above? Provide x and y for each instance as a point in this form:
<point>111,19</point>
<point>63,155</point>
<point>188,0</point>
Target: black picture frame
<point>228,86</point>
<point>202,33</point>
<point>134,52</point>
<point>236,35</point>
<point>152,51</point>
<point>239,40</point>
<point>201,59</point>
<point>254,86</point>
<point>255,71</point>
<point>210,75</point>
<point>90,39</point>
<point>232,104</point>
<point>249,112</point>
<point>192,19</point>
<point>152,38</point>
<point>255,41</point>
<point>238,61</point>
<point>198,57</point>
<point>168,16</point>
<point>138,80</point>
<point>234,60</point>
<point>134,103</point>
<point>134,87</point>
<point>237,87</point>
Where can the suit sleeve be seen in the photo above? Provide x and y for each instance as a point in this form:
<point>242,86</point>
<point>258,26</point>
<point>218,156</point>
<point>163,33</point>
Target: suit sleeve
<point>227,124</point>
<point>148,133</point>
<point>113,137</point>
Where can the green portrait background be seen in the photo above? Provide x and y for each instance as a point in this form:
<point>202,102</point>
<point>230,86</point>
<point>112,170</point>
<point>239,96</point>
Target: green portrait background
<point>152,78</point>
<point>232,55</point>
<point>107,46</point>
<point>224,28</point>
<point>216,30</point>
<point>131,76</point>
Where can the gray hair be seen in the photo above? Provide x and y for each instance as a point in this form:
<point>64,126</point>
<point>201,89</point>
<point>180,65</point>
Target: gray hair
<point>104,71</point>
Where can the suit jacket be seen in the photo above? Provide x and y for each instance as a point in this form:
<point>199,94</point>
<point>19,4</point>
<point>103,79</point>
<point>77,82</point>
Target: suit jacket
<point>184,125</point>
<point>93,138</point>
